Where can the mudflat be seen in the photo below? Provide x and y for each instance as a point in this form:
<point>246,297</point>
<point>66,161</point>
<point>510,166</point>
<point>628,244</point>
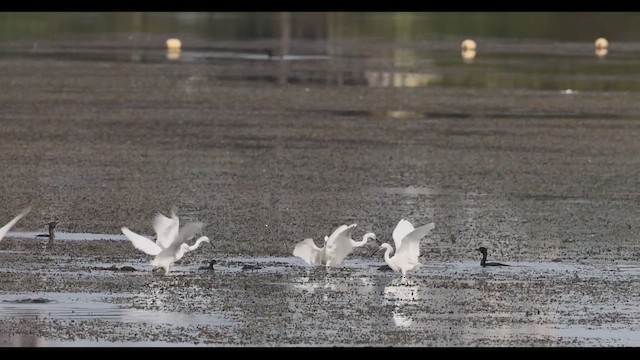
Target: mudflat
<point>268,153</point>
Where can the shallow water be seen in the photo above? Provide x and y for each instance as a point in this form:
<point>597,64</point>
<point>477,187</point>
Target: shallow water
<point>88,306</point>
<point>66,236</point>
<point>34,341</point>
<point>546,304</point>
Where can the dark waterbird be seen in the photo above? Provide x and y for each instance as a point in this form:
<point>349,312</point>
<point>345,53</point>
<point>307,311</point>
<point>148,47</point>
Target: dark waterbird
<point>208,267</point>
<point>51,235</point>
<point>484,262</point>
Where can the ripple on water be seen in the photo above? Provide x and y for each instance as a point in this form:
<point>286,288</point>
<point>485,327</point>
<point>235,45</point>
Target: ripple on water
<point>35,341</point>
<point>89,306</point>
<point>66,236</point>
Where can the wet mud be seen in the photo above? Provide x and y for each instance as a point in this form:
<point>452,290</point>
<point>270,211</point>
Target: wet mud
<point>283,302</point>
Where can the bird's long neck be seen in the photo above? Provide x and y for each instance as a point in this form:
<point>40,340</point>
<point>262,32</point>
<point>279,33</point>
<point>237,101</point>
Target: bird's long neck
<point>51,233</point>
<point>364,240</point>
<point>387,255</point>
<point>184,248</point>
<point>197,244</point>
<point>484,259</point>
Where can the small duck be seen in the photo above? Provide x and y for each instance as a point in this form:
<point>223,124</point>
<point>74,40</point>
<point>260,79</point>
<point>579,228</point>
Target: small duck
<point>484,262</point>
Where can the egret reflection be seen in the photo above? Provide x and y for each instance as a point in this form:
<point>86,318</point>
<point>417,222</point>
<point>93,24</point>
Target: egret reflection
<point>400,297</point>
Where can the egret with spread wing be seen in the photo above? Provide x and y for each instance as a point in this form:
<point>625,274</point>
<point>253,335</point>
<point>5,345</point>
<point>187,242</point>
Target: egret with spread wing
<point>336,247</point>
<point>171,242</point>
<point>407,240</point>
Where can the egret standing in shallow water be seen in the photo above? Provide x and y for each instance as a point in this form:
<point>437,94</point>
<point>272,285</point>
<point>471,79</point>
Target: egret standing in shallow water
<point>171,243</point>
<point>407,240</point>
<point>5,229</point>
<point>336,247</point>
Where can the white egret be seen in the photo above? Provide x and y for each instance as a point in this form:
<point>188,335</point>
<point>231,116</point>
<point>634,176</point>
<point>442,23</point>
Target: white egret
<point>5,229</point>
<point>171,242</point>
<point>407,240</point>
<point>336,247</point>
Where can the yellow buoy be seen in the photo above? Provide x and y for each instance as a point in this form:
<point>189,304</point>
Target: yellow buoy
<point>173,44</point>
<point>602,43</point>
<point>468,44</point>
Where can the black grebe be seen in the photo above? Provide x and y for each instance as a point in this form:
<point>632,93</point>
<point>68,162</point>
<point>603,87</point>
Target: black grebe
<point>51,235</point>
<point>484,262</point>
<point>208,267</point>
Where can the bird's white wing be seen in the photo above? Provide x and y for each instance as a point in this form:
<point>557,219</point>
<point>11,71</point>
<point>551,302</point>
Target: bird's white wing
<point>9,225</point>
<point>142,243</point>
<point>403,228</point>
<point>176,221</point>
<point>339,244</point>
<point>410,248</point>
<point>166,229</point>
<point>338,230</point>
<point>309,252</point>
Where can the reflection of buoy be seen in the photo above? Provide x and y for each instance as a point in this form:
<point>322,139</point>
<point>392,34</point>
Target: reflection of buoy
<point>173,48</point>
<point>469,44</point>
<point>173,54</point>
<point>602,43</point>
<point>468,56</point>
<point>174,44</point>
<point>601,53</point>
